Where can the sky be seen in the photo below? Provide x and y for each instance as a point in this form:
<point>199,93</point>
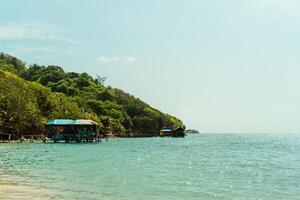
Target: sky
<point>219,65</point>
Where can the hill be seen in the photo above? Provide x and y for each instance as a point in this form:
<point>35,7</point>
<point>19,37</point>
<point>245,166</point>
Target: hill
<point>30,95</point>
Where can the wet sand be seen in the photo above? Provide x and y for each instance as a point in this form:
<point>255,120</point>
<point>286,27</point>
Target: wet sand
<point>15,190</point>
<point>18,192</point>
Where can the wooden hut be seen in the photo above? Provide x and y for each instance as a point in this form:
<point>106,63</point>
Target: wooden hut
<point>72,130</point>
<point>172,132</point>
<point>6,137</point>
<point>166,132</point>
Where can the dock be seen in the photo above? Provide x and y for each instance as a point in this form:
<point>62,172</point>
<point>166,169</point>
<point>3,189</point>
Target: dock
<point>66,130</point>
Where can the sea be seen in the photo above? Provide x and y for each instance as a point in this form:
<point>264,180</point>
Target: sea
<point>200,166</point>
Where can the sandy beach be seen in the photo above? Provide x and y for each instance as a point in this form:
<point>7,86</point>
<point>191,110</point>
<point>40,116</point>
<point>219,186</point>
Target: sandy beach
<point>21,192</point>
<point>14,190</point>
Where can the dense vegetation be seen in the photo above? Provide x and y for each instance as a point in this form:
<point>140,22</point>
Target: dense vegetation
<point>31,95</point>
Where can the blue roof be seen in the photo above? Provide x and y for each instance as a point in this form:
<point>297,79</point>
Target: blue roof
<point>71,122</point>
<point>166,130</point>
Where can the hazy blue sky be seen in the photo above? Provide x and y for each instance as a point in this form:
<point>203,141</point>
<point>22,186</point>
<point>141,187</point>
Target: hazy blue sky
<point>220,65</point>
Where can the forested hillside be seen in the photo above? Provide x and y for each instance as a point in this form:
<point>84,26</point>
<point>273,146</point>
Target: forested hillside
<point>30,95</point>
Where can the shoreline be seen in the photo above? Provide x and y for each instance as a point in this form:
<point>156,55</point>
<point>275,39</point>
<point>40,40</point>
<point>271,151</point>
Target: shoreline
<point>102,139</point>
<point>50,141</point>
<point>13,189</point>
<point>19,192</point>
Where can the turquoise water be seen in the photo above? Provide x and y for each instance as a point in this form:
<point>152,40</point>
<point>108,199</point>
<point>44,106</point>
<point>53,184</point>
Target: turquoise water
<point>204,166</point>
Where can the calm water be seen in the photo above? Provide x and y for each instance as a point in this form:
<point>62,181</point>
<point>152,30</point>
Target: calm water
<point>205,166</point>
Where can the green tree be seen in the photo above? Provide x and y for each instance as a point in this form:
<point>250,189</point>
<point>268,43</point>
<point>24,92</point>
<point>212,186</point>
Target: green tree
<point>27,105</point>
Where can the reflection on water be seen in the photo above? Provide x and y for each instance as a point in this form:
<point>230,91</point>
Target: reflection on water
<point>205,166</point>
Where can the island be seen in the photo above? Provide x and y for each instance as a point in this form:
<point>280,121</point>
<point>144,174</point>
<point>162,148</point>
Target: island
<point>192,131</point>
<point>32,95</point>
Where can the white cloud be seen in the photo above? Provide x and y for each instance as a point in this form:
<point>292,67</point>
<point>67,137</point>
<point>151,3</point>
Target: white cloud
<point>104,59</point>
<point>47,50</point>
<point>117,59</point>
<point>286,7</point>
<point>34,31</point>
<point>131,59</point>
